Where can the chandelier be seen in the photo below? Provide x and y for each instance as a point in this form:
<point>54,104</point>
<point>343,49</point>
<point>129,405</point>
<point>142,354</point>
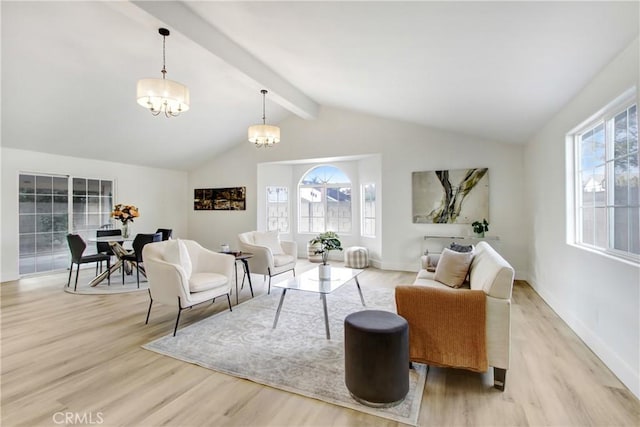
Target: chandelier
<point>163,95</point>
<point>264,135</point>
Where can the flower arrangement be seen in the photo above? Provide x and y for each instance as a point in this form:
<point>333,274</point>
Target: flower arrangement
<point>328,241</point>
<point>125,213</point>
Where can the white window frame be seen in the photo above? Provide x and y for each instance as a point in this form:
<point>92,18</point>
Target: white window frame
<point>324,187</point>
<point>606,117</point>
<point>363,203</point>
<point>285,204</point>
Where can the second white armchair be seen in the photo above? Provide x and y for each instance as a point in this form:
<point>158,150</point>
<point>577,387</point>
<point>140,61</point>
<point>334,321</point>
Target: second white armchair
<point>270,255</point>
<point>183,273</point>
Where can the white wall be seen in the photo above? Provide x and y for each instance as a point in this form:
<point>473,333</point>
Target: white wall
<point>598,297</point>
<point>160,194</point>
<point>403,148</point>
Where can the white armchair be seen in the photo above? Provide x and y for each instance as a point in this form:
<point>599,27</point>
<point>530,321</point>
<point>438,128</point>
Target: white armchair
<point>182,272</point>
<point>270,255</point>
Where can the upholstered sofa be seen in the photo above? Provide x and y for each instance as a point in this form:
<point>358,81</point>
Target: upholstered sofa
<point>489,273</point>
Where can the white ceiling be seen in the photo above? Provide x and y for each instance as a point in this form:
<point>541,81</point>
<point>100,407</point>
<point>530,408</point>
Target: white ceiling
<point>497,70</point>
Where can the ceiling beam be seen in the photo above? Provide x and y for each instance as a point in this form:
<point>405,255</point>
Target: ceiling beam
<point>181,18</point>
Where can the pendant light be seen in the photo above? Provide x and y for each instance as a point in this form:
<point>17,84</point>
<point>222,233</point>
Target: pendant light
<point>264,135</point>
<point>163,95</point>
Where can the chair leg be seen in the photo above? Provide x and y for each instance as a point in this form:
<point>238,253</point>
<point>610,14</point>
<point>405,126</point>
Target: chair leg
<point>269,290</point>
<point>138,274</point>
<point>70,271</point>
<point>175,329</point>
<point>499,378</point>
<point>149,311</point>
<point>77,272</point>
<point>294,272</point>
<point>123,269</point>
<point>108,271</point>
<point>229,301</point>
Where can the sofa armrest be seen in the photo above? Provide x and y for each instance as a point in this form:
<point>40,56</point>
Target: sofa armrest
<point>447,327</point>
<point>210,261</point>
<point>262,259</point>
<point>290,248</point>
<point>167,281</point>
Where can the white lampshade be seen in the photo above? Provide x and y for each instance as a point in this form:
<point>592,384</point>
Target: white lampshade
<point>162,95</point>
<point>264,135</point>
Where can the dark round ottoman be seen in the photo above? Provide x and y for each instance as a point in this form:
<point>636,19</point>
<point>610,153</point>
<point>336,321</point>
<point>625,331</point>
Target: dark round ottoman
<point>376,357</point>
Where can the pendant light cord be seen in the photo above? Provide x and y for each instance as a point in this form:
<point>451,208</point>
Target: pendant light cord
<point>264,93</point>
<point>164,58</point>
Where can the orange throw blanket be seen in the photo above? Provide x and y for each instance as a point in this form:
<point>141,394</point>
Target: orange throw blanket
<point>446,327</point>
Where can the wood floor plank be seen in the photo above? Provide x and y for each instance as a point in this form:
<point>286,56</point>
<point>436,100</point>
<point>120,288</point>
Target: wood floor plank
<point>82,353</point>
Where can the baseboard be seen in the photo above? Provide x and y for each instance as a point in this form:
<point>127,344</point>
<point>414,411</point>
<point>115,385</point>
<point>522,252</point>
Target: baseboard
<point>610,358</point>
<point>412,267</point>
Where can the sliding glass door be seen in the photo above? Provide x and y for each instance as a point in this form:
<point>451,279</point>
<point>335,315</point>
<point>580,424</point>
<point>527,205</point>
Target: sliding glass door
<point>47,213</point>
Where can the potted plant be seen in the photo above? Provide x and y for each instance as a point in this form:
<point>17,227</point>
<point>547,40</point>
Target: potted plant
<point>328,241</point>
<point>480,227</point>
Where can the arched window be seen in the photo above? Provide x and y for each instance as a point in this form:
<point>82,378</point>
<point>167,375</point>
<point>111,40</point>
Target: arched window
<point>324,195</point>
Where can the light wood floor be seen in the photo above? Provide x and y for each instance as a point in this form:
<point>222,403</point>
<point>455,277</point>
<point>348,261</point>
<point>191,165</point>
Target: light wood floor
<point>82,354</point>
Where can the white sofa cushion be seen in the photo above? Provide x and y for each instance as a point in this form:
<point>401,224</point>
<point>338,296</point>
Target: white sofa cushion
<point>270,240</point>
<point>200,282</point>
<point>280,260</point>
<point>176,253</point>
<point>453,267</point>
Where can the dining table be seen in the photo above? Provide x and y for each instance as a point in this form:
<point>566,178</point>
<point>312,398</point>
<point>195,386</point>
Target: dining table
<point>119,251</point>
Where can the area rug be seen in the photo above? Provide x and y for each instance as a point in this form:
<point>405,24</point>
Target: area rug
<point>130,284</point>
<point>296,356</point>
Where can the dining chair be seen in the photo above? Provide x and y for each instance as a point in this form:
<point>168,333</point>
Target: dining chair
<point>166,233</point>
<point>135,256</point>
<point>77,247</point>
<point>105,247</point>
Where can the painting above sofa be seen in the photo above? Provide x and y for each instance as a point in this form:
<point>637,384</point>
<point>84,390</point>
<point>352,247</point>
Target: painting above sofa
<point>458,196</point>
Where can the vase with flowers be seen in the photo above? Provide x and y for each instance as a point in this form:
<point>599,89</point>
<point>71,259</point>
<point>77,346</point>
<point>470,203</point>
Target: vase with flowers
<point>480,227</point>
<point>328,241</point>
<point>125,214</point>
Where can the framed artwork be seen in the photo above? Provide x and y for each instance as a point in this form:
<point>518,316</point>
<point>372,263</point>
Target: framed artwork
<point>459,196</point>
<point>219,199</point>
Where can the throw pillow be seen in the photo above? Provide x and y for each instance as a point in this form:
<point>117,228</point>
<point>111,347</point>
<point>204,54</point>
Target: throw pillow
<point>269,239</point>
<point>453,267</point>
<point>461,248</point>
<point>177,253</point>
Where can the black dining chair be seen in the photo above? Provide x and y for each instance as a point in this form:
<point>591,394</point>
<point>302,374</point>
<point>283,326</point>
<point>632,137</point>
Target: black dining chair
<point>105,247</point>
<point>136,255</point>
<point>77,247</point>
<point>166,233</point>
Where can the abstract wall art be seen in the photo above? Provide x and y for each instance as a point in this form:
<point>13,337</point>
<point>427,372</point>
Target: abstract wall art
<point>219,199</point>
<point>459,196</point>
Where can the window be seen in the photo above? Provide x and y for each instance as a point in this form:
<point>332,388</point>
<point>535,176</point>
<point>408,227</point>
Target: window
<point>45,213</point>
<point>608,183</point>
<point>324,201</point>
<point>369,210</point>
<point>278,209</point>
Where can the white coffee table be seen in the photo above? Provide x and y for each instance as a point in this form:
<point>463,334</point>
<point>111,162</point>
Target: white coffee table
<point>310,282</point>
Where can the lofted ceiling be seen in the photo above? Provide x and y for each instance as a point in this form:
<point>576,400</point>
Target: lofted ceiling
<point>496,70</point>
